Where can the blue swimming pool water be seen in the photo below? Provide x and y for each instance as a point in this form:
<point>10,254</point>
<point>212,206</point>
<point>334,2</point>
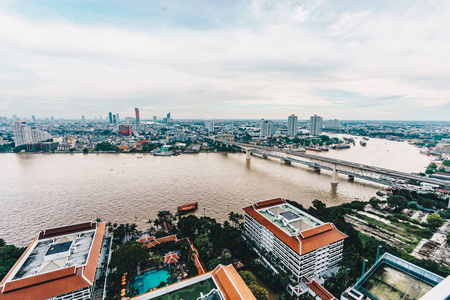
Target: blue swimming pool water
<point>149,280</point>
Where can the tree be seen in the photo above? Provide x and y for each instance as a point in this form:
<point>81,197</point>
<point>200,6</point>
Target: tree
<point>435,220</point>
<point>374,202</point>
<point>446,162</point>
<point>448,238</point>
<point>85,150</point>
<point>397,202</point>
<point>235,218</point>
<point>8,257</point>
<point>128,257</point>
<point>260,293</point>
<point>203,246</point>
<point>319,204</point>
<point>248,277</point>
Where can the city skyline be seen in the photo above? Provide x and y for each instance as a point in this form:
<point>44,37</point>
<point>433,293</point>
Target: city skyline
<point>239,60</point>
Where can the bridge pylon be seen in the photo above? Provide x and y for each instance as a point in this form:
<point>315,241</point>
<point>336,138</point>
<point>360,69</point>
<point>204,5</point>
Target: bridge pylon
<point>248,153</point>
<point>334,175</point>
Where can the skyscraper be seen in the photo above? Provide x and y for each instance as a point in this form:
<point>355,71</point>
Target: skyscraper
<point>22,133</point>
<point>138,119</point>
<point>209,125</point>
<point>315,123</point>
<point>168,115</point>
<point>265,128</point>
<point>118,121</point>
<point>292,125</point>
<point>110,117</point>
<point>114,119</point>
<point>155,121</point>
<point>33,117</point>
<point>83,119</point>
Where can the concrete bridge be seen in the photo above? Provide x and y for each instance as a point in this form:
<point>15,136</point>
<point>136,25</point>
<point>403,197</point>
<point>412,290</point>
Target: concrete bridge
<point>336,166</point>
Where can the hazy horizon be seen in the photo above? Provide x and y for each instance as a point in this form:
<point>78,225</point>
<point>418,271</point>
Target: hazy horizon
<point>250,59</point>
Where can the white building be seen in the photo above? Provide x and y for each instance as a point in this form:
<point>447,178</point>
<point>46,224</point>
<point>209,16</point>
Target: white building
<point>209,125</point>
<point>69,262</point>
<point>333,124</point>
<point>304,245</point>
<point>292,125</point>
<point>22,133</point>
<point>266,128</point>
<point>315,123</point>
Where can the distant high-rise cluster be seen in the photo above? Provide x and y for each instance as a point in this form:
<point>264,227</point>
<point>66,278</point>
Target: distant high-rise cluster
<point>292,125</point>
<point>23,134</point>
<point>315,123</point>
<point>110,117</point>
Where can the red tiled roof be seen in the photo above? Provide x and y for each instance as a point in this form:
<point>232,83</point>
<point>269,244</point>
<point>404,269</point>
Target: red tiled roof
<point>316,230</point>
<point>310,243</point>
<point>152,241</point>
<point>267,203</point>
<point>320,291</point>
<point>171,257</point>
<point>58,282</point>
<point>231,284</point>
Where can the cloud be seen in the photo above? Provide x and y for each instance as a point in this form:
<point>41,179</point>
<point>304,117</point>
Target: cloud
<point>271,57</point>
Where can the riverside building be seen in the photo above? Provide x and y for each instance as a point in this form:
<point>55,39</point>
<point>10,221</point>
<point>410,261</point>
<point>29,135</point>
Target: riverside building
<point>69,262</point>
<point>292,125</point>
<point>302,245</point>
<point>315,123</point>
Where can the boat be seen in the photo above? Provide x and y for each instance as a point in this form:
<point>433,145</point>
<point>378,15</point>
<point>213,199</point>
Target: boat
<point>379,193</point>
<point>339,147</point>
<point>164,151</point>
<point>362,143</point>
<point>187,207</point>
<point>312,148</point>
<point>365,138</point>
<point>324,148</point>
<point>299,149</point>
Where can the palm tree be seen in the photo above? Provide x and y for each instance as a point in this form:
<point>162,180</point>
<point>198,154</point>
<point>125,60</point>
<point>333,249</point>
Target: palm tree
<point>150,222</point>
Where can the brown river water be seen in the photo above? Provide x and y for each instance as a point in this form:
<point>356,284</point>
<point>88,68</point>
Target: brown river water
<point>39,191</point>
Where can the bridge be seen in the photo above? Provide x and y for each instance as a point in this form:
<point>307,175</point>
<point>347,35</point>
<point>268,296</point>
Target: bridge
<point>336,166</point>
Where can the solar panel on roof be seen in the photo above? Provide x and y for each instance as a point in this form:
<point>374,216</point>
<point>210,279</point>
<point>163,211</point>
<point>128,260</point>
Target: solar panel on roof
<point>289,215</point>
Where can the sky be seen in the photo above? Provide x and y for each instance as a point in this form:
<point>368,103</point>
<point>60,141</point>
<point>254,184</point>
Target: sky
<point>352,60</point>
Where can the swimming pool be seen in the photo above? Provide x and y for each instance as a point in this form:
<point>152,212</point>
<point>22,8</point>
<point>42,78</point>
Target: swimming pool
<point>149,280</point>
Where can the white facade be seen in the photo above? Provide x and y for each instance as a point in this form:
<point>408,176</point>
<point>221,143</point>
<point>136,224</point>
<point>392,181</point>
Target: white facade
<point>209,125</point>
<point>22,133</point>
<point>333,124</point>
<point>315,123</point>
<point>292,125</point>
<point>309,264</point>
<point>265,128</point>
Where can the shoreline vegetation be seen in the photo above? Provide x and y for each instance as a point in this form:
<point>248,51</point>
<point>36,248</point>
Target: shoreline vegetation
<point>223,243</point>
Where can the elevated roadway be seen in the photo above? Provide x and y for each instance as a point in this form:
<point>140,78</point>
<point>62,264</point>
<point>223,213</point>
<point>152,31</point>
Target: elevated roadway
<point>333,164</point>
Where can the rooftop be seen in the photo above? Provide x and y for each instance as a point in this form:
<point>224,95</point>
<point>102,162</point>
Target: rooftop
<point>58,261</point>
<point>300,231</point>
<point>394,278</point>
<point>223,282</point>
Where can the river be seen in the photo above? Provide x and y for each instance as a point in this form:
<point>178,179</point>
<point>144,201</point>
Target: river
<point>39,191</point>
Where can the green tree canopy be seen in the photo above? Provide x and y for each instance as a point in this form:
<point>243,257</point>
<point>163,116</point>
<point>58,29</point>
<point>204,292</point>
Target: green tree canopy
<point>397,202</point>
<point>435,220</point>
<point>318,204</point>
<point>248,277</point>
<point>8,257</point>
<point>128,257</point>
<point>260,293</point>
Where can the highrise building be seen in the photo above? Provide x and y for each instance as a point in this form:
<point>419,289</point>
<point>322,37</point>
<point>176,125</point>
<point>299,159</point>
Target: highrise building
<point>138,119</point>
<point>14,118</point>
<point>118,121</point>
<point>124,129</point>
<point>33,117</point>
<point>83,119</point>
<point>155,121</point>
<point>168,115</point>
<point>265,128</point>
<point>209,125</point>
<point>333,124</point>
<point>114,119</point>
<point>303,245</point>
<point>22,133</point>
<point>53,119</point>
<point>315,125</point>
<point>110,117</point>
<point>292,125</point>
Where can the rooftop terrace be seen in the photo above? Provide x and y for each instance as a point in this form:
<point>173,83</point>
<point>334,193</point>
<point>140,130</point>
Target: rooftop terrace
<point>56,253</point>
<point>289,218</point>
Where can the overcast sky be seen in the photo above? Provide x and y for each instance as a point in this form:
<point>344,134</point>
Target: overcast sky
<point>341,59</point>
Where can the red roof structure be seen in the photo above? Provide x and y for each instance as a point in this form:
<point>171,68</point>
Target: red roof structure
<point>305,242</point>
<point>171,258</point>
<point>152,241</point>
<point>57,282</point>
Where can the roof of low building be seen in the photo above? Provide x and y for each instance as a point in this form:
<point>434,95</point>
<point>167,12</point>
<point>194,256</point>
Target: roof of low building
<point>49,279</point>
